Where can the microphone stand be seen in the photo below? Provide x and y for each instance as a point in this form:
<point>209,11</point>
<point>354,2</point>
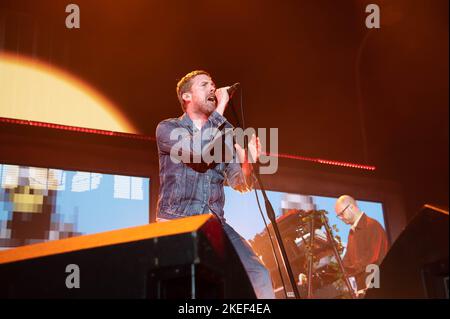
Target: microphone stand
<point>270,214</point>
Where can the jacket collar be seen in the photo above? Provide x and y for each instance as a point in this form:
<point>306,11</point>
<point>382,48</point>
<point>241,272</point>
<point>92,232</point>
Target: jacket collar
<point>360,223</point>
<point>187,122</point>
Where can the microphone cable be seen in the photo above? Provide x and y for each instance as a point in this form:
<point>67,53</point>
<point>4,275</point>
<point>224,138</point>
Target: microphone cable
<point>256,192</point>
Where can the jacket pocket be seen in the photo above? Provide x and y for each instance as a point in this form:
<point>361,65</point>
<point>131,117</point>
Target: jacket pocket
<point>173,188</point>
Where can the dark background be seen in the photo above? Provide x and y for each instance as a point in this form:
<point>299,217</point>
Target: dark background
<point>311,68</point>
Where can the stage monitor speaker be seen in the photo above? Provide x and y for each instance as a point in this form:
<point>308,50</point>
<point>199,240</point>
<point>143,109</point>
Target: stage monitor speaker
<point>184,258</point>
<point>416,266</point>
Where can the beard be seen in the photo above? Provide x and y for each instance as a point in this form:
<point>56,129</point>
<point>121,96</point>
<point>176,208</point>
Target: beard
<point>206,106</point>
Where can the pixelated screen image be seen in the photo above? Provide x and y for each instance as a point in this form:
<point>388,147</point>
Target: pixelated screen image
<point>293,212</point>
<point>241,210</point>
<point>41,204</point>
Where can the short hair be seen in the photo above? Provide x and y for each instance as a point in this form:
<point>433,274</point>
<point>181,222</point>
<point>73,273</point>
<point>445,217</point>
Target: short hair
<point>185,84</point>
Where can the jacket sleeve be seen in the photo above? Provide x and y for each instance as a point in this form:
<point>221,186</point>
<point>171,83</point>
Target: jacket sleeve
<point>371,251</point>
<point>177,141</point>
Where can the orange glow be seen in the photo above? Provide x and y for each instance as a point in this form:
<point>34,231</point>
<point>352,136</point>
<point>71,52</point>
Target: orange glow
<point>114,237</point>
<point>32,90</point>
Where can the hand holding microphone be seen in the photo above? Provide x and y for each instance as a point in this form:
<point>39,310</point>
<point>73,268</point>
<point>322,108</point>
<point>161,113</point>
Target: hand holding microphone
<point>223,95</point>
<point>232,89</point>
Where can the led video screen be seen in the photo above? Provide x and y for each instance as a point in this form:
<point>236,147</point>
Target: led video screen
<point>241,210</point>
<point>294,213</point>
<point>40,204</point>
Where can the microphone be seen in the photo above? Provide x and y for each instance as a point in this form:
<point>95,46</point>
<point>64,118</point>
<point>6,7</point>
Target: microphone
<point>233,89</point>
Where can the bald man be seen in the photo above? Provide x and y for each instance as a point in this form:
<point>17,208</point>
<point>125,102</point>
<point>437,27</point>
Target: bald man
<point>367,241</point>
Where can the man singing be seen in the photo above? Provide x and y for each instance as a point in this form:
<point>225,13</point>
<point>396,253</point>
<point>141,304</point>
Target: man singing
<point>191,187</point>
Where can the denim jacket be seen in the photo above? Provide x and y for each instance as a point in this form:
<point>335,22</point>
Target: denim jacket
<point>188,188</point>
